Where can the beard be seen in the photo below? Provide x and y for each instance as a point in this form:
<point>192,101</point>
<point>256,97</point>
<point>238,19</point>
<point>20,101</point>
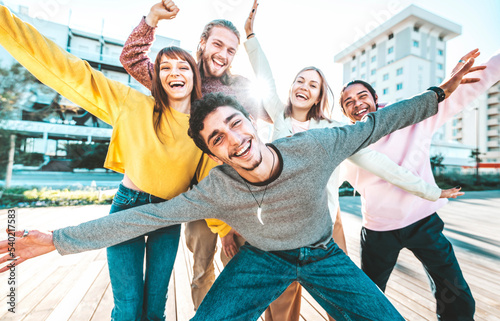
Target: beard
<point>208,67</point>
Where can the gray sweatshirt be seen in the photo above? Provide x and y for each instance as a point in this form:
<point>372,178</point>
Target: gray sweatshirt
<point>295,207</point>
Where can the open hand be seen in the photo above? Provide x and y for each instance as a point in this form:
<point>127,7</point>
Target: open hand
<point>251,18</point>
<point>161,11</point>
<point>18,249</point>
<point>464,67</point>
<point>451,193</point>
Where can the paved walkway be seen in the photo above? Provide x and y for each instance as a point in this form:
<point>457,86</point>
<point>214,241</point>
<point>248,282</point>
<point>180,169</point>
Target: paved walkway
<point>76,287</point>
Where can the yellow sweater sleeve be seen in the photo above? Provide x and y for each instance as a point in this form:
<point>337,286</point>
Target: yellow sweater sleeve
<point>216,226</point>
<point>67,74</point>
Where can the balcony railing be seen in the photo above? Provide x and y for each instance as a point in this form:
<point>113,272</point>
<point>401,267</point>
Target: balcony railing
<point>492,111</point>
<point>95,57</point>
<point>492,122</point>
<point>494,100</point>
<point>493,133</point>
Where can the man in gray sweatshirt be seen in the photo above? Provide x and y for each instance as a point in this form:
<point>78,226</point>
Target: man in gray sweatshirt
<point>275,196</point>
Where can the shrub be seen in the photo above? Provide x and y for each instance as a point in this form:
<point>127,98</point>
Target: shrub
<point>21,197</point>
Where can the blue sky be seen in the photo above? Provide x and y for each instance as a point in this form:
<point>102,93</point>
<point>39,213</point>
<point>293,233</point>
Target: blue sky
<point>293,33</point>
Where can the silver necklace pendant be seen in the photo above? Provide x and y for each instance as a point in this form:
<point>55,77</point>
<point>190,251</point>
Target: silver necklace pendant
<point>259,215</point>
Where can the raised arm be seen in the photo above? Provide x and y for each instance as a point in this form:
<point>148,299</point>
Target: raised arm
<point>134,56</point>
<point>262,69</point>
<point>69,75</point>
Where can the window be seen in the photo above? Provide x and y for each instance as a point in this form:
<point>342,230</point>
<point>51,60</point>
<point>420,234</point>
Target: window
<point>373,72</point>
<point>399,86</point>
<point>390,62</point>
<point>415,44</point>
<point>385,77</point>
<point>440,38</point>
<point>363,52</point>
<point>399,71</point>
<point>374,46</point>
<point>353,69</point>
<point>440,52</point>
<point>374,58</point>
<point>390,50</point>
<point>373,84</point>
<point>391,36</point>
<point>363,64</point>
<point>416,28</point>
<point>363,76</point>
<point>439,80</point>
<point>385,91</point>
<point>353,57</point>
<point>440,66</point>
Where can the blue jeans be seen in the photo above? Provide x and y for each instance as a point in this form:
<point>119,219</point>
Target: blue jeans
<point>138,297</point>
<point>425,238</point>
<point>254,278</point>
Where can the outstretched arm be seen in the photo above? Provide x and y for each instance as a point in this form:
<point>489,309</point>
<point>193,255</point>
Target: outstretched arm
<point>391,118</point>
<point>134,56</point>
<point>382,166</point>
<point>110,230</point>
<point>262,69</point>
<point>69,75</point>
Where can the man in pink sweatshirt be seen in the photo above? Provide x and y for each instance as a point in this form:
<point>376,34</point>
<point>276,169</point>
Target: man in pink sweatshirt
<point>394,219</point>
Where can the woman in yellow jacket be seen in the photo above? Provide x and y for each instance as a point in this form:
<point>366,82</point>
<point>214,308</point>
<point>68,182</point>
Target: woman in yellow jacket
<point>149,145</point>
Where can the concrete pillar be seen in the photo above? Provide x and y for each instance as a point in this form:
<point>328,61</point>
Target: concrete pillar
<point>45,142</point>
<point>10,164</point>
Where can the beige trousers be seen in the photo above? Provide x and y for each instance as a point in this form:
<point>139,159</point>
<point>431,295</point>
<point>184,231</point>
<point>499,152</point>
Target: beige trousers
<point>203,244</point>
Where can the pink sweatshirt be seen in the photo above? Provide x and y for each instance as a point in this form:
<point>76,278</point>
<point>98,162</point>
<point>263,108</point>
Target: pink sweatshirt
<point>385,207</point>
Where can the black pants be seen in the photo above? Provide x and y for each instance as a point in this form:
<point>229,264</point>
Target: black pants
<point>380,250</point>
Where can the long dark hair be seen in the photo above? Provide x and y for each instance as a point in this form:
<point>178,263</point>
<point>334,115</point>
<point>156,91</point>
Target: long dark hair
<point>157,91</point>
<point>320,110</point>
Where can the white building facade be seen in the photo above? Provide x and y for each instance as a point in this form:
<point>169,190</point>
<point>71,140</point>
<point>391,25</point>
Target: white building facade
<point>406,55</point>
<point>403,56</point>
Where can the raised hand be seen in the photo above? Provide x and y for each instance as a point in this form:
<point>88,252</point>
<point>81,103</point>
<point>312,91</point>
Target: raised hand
<point>464,66</point>
<point>451,193</point>
<point>472,54</point>
<point>21,248</point>
<point>250,19</point>
<point>161,11</point>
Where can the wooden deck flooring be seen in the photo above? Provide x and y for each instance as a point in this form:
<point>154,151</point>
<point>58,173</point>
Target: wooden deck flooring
<point>76,287</point>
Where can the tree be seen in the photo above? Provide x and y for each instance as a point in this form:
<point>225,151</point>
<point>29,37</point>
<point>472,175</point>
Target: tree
<point>437,163</point>
<point>474,154</point>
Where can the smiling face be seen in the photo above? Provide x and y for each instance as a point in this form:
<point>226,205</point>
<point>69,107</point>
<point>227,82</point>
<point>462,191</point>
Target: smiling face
<point>232,139</point>
<point>357,102</point>
<point>218,51</point>
<point>176,78</point>
<point>306,90</point>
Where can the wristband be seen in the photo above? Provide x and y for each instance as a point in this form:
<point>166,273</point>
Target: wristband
<point>439,92</point>
<point>252,34</point>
